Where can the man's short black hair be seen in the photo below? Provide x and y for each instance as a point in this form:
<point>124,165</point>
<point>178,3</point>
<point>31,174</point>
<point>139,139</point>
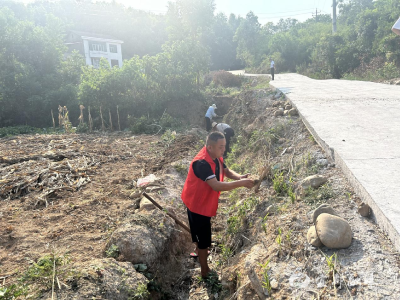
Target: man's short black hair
<point>214,137</point>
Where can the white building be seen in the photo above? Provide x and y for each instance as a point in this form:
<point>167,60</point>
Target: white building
<point>94,46</point>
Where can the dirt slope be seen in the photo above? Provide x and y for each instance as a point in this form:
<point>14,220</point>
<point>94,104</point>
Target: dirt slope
<point>63,198</point>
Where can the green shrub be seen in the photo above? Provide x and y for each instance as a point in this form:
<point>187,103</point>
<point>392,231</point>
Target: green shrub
<point>16,130</point>
<point>167,121</point>
<point>12,292</point>
<point>112,251</point>
<point>82,128</point>
<point>141,125</point>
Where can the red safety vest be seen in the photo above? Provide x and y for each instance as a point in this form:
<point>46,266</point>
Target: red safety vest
<point>197,195</point>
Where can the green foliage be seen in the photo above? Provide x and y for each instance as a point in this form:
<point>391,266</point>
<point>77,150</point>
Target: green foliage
<point>315,196</point>
<point>112,251</point>
<point>266,283</point>
<point>168,137</point>
<point>82,128</point>
<point>41,272</point>
<point>279,183</point>
<point>141,292</point>
<point>16,130</point>
<point>212,281</point>
<point>12,292</point>
<point>181,169</point>
<point>310,48</point>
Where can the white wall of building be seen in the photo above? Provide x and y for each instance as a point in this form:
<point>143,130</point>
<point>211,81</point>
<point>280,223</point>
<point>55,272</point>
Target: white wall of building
<point>89,54</point>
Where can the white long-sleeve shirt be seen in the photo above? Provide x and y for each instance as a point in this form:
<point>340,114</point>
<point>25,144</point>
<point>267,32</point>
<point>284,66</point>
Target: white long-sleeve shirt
<point>222,126</point>
<point>211,112</point>
<point>396,27</point>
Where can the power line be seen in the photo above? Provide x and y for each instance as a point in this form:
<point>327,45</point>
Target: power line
<point>282,12</point>
<point>307,13</point>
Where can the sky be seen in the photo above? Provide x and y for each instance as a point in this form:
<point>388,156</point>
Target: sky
<point>266,10</point>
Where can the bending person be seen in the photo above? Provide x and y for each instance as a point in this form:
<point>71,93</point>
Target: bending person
<point>227,131</point>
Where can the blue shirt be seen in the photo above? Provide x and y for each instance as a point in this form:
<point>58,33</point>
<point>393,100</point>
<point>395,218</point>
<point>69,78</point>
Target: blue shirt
<point>211,113</point>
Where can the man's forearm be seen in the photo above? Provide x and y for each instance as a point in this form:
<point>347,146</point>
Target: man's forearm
<point>232,175</point>
<point>226,186</point>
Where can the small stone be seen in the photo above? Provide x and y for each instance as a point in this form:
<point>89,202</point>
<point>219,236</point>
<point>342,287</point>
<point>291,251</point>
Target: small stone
<point>278,113</point>
<point>293,112</point>
<point>289,150</point>
<point>135,195</point>
<point>285,113</point>
<point>322,162</point>
<point>312,237</point>
<point>334,232</point>
<point>281,140</point>
<point>145,204</point>
<point>364,210</point>
<point>314,181</point>
<point>274,284</point>
<point>288,107</point>
<point>323,208</point>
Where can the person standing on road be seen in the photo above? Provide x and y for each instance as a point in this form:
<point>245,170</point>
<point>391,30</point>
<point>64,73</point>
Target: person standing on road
<point>272,68</point>
<point>209,115</point>
<point>203,185</point>
<point>227,131</point>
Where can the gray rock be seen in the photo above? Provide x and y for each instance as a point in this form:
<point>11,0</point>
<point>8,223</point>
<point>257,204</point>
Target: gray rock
<point>334,232</point>
<point>278,113</point>
<point>274,284</point>
<point>322,162</point>
<point>314,181</point>
<point>105,278</point>
<point>312,237</point>
<point>323,209</point>
<point>251,261</point>
<point>145,204</point>
<point>293,112</point>
<point>364,210</point>
<point>143,238</point>
<point>135,195</point>
<point>288,107</point>
<point>289,150</point>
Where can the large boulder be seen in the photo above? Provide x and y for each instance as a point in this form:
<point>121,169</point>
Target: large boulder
<point>105,278</point>
<point>314,181</point>
<point>144,237</point>
<point>323,208</point>
<point>334,232</point>
<point>312,237</point>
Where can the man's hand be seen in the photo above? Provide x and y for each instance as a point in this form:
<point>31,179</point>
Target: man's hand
<point>244,176</point>
<point>248,183</point>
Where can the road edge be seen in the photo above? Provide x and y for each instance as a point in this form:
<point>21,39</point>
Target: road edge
<point>376,213</point>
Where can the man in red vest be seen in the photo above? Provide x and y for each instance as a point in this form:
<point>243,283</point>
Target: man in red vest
<point>201,191</point>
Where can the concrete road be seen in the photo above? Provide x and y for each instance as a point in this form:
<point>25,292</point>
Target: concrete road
<point>358,124</point>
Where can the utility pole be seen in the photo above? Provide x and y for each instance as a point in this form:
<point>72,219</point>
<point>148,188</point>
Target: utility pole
<point>333,16</point>
<point>316,15</point>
